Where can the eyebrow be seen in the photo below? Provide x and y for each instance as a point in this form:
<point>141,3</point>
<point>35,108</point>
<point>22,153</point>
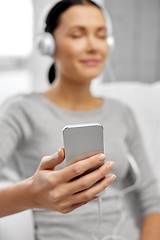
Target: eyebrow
<point>84,28</point>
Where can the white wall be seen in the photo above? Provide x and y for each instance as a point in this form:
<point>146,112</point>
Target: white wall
<point>14,82</point>
<point>16,24</point>
<point>16,46</point>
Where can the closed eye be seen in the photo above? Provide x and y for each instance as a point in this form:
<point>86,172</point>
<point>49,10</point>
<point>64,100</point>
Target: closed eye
<point>102,33</point>
<point>77,35</point>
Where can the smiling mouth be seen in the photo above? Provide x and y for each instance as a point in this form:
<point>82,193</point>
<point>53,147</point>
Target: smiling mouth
<point>90,62</point>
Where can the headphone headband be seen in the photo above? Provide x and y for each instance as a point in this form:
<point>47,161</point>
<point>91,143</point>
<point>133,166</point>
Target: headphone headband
<point>45,40</point>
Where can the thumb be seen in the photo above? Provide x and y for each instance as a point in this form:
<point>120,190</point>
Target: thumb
<point>50,162</point>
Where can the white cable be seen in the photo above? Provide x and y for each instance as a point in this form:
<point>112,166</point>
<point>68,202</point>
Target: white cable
<point>110,71</point>
<point>124,192</point>
<point>100,213</point>
<point>100,208</point>
<point>119,206</point>
<point>94,229</point>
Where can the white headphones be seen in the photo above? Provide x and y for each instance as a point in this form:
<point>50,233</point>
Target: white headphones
<point>45,40</point>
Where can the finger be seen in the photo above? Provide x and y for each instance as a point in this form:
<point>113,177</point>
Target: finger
<point>81,198</point>
<point>80,167</point>
<point>89,194</point>
<point>50,162</point>
<point>88,180</point>
<point>82,183</point>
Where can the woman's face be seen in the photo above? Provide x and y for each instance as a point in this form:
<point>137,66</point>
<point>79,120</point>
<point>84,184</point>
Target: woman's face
<point>81,45</point>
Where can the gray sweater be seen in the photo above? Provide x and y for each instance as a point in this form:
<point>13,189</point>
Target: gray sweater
<point>31,127</point>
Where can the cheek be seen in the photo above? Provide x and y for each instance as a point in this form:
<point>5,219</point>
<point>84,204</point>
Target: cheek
<point>104,49</point>
<point>70,49</point>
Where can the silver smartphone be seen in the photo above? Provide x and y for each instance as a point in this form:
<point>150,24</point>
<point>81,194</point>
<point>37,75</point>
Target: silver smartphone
<point>82,141</point>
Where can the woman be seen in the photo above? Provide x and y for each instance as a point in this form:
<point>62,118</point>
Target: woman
<point>79,30</point>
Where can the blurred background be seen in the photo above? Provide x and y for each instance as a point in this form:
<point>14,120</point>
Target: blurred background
<point>136,56</point>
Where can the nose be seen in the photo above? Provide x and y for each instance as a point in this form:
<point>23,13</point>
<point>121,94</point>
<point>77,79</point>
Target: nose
<point>92,44</point>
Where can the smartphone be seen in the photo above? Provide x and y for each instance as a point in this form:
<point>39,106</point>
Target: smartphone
<point>82,141</point>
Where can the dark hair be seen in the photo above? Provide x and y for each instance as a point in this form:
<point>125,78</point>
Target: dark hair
<point>52,22</point>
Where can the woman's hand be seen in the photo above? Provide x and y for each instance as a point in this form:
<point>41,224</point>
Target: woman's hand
<point>52,189</point>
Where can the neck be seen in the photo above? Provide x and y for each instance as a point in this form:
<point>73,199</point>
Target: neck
<point>72,95</point>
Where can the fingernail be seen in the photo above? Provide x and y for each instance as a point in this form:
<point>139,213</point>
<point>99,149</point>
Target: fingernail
<point>110,165</point>
<point>111,178</point>
<point>101,158</point>
<point>58,153</point>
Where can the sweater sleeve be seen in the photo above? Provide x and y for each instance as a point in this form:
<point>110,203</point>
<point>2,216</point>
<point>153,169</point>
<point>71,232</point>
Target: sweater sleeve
<point>148,191</point>
<point>14,128</point>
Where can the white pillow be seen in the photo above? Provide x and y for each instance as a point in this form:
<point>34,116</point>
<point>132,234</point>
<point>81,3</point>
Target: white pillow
<point>19,226</point>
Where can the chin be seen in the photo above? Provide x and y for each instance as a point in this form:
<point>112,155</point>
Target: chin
<point>82,74</point>
<point>92,72</point>
<point>87,78</point>
<point>91,75</point>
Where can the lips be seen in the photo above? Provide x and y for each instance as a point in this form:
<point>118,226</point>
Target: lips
<point>90,62</point>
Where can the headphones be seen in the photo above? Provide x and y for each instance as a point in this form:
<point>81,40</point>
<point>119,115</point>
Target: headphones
<point>45,40</point>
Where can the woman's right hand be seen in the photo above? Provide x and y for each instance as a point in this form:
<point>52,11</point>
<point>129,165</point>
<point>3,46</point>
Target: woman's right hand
<point>52,189</point>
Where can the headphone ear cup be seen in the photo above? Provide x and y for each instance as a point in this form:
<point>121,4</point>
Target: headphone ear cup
<point>111,43</point>
<point>46,44</point>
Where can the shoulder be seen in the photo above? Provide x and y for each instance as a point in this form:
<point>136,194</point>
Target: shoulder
<point>19,109</point>
<point>16,115</point>
<point>118,105</point>
<point>19,102</point>
<point>121,110</point>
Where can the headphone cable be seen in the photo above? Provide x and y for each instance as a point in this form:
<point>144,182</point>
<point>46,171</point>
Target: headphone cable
<point>119,204</point>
